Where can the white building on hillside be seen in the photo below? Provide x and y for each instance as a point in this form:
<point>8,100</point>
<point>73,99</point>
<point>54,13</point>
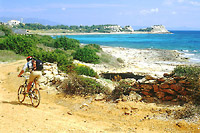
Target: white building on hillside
<point>13,22</point>
<point>114,28</point>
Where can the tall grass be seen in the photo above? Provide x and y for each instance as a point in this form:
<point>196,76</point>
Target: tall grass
<point>9,56</point>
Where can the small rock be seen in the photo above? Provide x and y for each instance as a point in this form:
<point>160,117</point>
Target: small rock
<point>124,98</point>
<point>83,106</point>
<point>100,97</point>
<point>69,113</point>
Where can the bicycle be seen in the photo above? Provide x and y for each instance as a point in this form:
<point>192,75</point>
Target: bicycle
<point>34,93</point>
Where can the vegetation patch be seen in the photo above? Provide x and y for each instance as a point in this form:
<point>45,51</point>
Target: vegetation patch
<point>189,111</point>
<point>94,47</point>
<point>85,70</point>
<point>78,85</point>
<point>7,56</point>
<point>108,59</point>
<point>192,73</point>
<point>66,43</point>
<point>124,88</point>
<point>87,55</point>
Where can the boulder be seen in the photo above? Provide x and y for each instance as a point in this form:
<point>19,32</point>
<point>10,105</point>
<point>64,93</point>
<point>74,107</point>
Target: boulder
<point>164,86</point>
<point>169,91</point>
<point>156,88</point>
<point>160,94</point>
<point>175,87</point>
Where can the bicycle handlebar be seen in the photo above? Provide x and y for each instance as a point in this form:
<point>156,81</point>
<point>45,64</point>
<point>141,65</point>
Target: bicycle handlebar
<point>26,77</point>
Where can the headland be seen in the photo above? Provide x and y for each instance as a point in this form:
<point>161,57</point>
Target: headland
<point>110,29</point>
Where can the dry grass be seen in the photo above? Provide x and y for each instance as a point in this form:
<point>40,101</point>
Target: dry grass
<point>9,56</point>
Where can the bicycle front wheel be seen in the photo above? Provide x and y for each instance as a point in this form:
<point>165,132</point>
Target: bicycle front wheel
<point>21,93</point>
<point>35,98</point>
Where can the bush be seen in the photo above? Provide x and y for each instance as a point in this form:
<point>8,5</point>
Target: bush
<point>120,60</point>
<point>20,44</point>
<point>85,70</point>
<point>94,47</point>
<point>86,55</point>
<point>192,73</point>
<point>78,85</point>
<point>66,43</point>
<point>5,30</point>
<point>46,40</point>
<point>26,45</point>
<point>188,111</point>
<point>124,88</point>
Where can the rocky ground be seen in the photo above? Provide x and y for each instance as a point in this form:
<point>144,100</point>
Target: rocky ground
<point>59,113</point>
<point>140,61</point>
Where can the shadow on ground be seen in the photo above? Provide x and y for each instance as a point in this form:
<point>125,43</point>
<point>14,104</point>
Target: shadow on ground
<point>17,103</point>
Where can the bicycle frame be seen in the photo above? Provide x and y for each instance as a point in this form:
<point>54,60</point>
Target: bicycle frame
<point>34,94</point>
<point>26,82</point>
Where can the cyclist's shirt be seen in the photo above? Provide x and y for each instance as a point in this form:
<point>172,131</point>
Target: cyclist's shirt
<point>28,65</point>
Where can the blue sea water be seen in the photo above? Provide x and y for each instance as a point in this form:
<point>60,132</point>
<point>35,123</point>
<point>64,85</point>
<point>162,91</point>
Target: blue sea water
<point>187,42</point>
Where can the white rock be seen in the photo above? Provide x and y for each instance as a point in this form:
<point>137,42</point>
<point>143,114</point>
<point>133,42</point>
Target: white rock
<point>83,106</point>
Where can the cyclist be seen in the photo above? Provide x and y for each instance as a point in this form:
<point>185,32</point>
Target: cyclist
<point>34,73</point>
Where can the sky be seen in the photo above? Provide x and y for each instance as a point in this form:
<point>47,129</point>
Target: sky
<point>173,14</point>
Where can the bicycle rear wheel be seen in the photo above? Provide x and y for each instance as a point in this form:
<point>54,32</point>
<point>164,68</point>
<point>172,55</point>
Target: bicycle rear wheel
<point>21,93</point>
<point>35,98</point>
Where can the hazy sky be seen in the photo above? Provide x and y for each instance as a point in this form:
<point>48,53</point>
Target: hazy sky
<point>171,13</point>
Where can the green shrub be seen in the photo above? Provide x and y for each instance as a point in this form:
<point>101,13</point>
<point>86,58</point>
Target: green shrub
<point>109,60</point>
<point>120,60</point>
<point>85,70</point>
<point>192,73</point>
<point>86,55</point>
<point>20,44</point>
<point>26,45</point>
<point>105,58</point>
<point>94,47</point>
<point>124,88</point>
<point>66,43</point>
<point>78,85</point>
<point>45,40</point>
<point>5,30</point>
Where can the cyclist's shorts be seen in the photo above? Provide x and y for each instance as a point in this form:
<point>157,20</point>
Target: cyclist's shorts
<point>35,75</point>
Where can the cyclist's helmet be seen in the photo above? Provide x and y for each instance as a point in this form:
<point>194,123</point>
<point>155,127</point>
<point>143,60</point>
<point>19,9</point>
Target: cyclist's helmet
<point>29,58</point>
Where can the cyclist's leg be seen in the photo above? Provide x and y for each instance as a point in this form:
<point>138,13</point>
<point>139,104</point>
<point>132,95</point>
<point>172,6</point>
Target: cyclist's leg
<point>36,83</point>
<point>29,86</point>
<point>37,79</point>
<point>31,80</point>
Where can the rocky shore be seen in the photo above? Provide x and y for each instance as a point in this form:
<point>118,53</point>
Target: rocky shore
<point>97,33</point>
<point>139,61</point>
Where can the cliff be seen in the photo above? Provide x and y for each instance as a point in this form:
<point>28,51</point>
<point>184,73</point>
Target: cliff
<point>155,29</point>
<point>159,29</point>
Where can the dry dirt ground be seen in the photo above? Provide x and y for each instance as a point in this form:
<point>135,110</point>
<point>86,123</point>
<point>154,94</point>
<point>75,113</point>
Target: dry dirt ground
<point>75,114</point>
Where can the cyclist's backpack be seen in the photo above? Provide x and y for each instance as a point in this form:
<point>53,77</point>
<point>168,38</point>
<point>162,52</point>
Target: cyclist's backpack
<point>39,65</point>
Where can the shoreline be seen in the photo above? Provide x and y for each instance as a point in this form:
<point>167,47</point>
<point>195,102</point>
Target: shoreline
<point>95,33</point>
<point>154,62</point>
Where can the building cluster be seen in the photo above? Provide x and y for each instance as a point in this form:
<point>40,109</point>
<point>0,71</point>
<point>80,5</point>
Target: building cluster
<point>12,22</point>
<point>118,28</point>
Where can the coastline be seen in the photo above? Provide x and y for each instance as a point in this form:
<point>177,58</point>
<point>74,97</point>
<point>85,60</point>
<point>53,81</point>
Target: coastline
<point>96,33</point>
<point>154,62</point>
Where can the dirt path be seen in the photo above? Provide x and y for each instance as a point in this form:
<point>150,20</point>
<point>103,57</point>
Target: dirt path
<point>59,114</point>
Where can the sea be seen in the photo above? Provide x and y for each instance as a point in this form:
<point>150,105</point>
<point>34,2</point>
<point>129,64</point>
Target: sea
<point>185,42</point>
